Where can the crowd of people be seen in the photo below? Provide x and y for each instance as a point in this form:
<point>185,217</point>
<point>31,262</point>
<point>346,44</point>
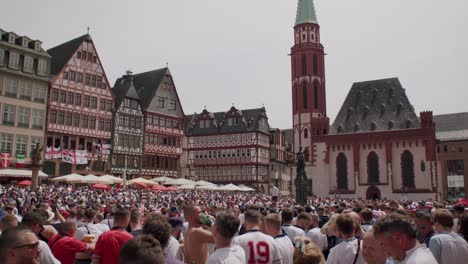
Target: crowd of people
<point>68,224</point>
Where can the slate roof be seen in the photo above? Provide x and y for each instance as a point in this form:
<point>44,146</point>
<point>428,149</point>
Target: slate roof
<point>62,53</point>
<point>451,126</point>
<point>219,125</point>
<point>289,137</point>
<point>378,105</point>
<point>146,85</point>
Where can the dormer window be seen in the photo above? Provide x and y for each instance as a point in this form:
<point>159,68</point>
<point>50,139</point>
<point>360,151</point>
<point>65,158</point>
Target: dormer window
<point>12,38</point>
<point>37,45</point>
<point>160,101</point>
<point>25,42</point>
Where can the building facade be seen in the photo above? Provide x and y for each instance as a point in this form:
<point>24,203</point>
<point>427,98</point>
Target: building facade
<point>128,129</point>
<point>164,120</point>
<point>280,161</point>
<point>452,154</point>
<point>79,110</point>
<point>377,146</point>
<point>24,80</point>
<point>228,147</point>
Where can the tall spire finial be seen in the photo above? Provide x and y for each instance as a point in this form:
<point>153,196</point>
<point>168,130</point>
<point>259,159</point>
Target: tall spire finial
<point>88,30</point>
<point>306,12</point>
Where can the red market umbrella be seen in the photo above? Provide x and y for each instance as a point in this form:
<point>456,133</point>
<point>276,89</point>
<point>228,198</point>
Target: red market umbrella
<point>463,201</point>
<point>171,188</point>
<point>25,183</point>
<point>140,185</point>
<point>158,187</point>
<point>100,186</point>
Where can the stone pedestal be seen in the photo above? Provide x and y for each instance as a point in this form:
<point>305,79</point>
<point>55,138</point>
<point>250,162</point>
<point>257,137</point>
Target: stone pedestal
<point>35,176</point>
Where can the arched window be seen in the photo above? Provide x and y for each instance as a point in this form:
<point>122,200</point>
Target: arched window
<point>304,65</point>
<point>304,95</point>
<point>373,168</point>
<point>315,64</point>
<point>306,133</point>
<point>342,172</point>
<point>316,94</point>
<point>407,169</point>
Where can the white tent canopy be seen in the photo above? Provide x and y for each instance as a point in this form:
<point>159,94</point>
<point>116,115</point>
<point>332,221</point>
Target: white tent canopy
<point>208,187</point>
<point>182,181</point>
<point>69,178</point>
<point>230,187</point>
<point>187,187</point>
<point>92,179</point>
<point>142,180</point>
<point>246,189</point>
<point>164,180</point>
<point>20,173</point>
<point>111,178</point>
<point>204,183</point>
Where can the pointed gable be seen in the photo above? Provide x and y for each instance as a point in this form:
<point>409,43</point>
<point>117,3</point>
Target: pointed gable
<point>125,88</point>
<point>62,53</point>
<point>377,105</point>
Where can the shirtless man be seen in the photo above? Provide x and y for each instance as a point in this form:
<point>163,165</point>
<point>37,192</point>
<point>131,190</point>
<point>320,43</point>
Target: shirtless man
<point>196,239</point>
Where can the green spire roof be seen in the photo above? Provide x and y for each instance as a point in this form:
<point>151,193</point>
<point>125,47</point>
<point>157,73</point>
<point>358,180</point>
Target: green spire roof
<point>306,12</point>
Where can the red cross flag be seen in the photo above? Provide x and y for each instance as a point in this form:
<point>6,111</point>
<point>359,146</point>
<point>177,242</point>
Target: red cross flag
<point>5,160</point>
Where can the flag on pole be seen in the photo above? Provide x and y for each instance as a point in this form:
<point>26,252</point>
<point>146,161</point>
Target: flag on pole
<point>5,160</point>
<point>20,160</point>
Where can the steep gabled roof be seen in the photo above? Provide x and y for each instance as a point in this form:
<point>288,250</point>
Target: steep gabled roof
<point>62,53</point>
<point>147,83</point>
<point>248,121</point>
<point>377,105</point>
<point>121,90</point>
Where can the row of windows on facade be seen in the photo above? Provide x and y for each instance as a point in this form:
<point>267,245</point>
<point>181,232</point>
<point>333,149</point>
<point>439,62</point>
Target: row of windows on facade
<point>161,102</point>
<point>453,148</point>
<point>373,172</point>
<point>231,138</point>
<point>162,140</point>
<point>73,119</point>
<point>72,98</point>
<point>27,64</point>
<point>304,35</point>
<point>20,143</point>
<point>130,121</point>
<point>130,141</point>
<point>314,64</point>
<point>163,122</point>
<point>230,171</point>
<point>206,123</point>
<point>23,117</point>
<point>83,55</point>
<point>305,96</point>
<point>125,161</point>
<point>92,80</point>
<point>73,142</point>
<point>152,162</point>
<point>225,153</point>
<point>23,41</point>
<point>28,90</point>
<point>278,155</point>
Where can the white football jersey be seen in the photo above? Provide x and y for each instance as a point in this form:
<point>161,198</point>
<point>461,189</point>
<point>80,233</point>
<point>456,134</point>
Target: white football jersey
<point>259,248</point>
<point>292,232</point>
<point>285,247</point>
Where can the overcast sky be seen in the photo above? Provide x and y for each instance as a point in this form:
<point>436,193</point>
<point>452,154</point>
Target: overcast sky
<point>224,52</point>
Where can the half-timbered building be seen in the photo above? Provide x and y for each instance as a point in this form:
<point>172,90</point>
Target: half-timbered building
<point>377,146</point>
<point>164,119</point>
<point>79,110</point>
<point>229,147</point>
<point>128,129</point>
<point>280,161</point>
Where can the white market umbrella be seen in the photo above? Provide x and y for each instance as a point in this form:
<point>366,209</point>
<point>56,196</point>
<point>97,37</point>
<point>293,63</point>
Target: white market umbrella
<point>246,189</point>
<point>230,187</point>
<point>19,173</point>
<point>204,183</point>
<point>142,180</point>
<point>63,178</point>
<point>164,180</point>
<point>112,178</point>
<point>208,187</point>
<point>187,187</point>
<point>93,179</point>
<point>70,178</point>
<point>182,181</point>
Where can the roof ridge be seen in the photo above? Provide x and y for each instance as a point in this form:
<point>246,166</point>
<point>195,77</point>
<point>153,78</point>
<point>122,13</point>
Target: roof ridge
<point>72,40</point>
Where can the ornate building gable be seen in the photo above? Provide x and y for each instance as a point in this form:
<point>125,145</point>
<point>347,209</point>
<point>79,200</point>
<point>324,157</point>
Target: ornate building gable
<point>379,105</point>
<point>79,60</point>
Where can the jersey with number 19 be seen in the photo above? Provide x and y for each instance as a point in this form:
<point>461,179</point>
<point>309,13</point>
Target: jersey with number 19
<point>259,248</point>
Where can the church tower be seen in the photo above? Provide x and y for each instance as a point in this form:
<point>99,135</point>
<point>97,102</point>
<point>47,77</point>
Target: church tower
<point>308,81</point>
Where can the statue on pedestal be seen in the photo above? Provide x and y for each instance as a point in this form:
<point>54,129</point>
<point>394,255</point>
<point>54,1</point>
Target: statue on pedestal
<point>36,164</point>
<point>302,183</point>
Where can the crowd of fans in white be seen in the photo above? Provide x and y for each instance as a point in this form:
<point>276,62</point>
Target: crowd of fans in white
<point>67,224</point>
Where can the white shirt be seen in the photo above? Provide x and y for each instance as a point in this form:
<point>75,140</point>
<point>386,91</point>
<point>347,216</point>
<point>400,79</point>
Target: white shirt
<point>229,255</point>
<point>345,252</point>
<point>102,227</point>
<point>274,191</point>
<point>420,254</point>
<point>318,238</point>
<point>285,247</point>
<point>46,255</point>
<point>259,248</point>
<point>293,232</point>
<point>172,247</point>
<point>448,248</point>
<point>87,228</point>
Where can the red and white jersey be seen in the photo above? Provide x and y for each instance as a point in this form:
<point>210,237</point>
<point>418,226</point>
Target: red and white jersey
<point>259,248</point>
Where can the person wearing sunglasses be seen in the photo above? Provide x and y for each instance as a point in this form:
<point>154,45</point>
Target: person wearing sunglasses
<point>19,245</point>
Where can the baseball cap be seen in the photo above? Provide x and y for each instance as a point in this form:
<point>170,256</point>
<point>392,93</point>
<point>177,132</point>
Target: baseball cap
<point>176,223</point>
